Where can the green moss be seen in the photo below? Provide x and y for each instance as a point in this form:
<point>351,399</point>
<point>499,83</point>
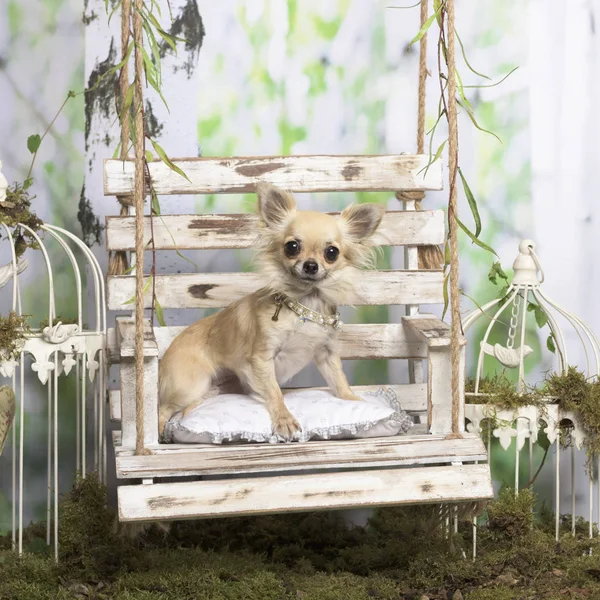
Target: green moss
<point>501,392</point>
<point>64,320</point>
<point>580,395</point>
<point>16,208</point>
<point>400,554</point>
<point>511,516</point>
<point>13,333</point>
<point>89,544</point>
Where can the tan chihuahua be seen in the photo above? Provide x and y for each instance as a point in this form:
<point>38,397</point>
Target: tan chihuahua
<point>309,260</point>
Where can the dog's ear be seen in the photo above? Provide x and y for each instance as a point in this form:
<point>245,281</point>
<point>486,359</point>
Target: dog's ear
<point>362,220</point>
<point>275,206</point>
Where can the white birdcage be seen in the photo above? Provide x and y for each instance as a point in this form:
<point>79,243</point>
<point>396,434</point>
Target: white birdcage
<point>524,424</point>
<point>53,352</point>
<point>525,288</point>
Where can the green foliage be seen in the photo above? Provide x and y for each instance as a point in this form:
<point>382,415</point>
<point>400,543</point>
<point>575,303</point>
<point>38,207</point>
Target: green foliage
<point>33,143</point>
<point>399,554</point>
<point>16,208</point>
<point>580,395</point>
<point>13,333</point>
<point>573,391</point>
<point>89,547</point>
<point>501,393</point>
<point>511,517</point>
<point>496,271</point>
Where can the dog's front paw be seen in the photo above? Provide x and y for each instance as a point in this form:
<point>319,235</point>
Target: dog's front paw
<point>349,395</point>
<point>285,425</point>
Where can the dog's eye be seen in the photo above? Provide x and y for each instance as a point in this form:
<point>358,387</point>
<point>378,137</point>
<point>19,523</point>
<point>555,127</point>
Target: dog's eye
<point>291,248</point>
<point>331,253</point>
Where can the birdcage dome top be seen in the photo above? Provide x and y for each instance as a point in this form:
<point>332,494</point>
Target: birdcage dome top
<point>509,313</point>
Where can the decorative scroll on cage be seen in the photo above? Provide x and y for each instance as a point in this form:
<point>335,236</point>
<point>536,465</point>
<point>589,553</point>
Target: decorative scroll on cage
<point>524,424</point>
<point>53,352</point>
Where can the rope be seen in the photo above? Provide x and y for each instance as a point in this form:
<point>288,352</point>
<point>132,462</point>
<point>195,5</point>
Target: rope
<point>422,83</point>
<point>138,196</point>
<point>118,264</point>
<point>430,257</point>
<point>455,336</point>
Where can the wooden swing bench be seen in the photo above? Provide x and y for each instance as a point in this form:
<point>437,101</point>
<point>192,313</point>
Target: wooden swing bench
<point>199,481</point>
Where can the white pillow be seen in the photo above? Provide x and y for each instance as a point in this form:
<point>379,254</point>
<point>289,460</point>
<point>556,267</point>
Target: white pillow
<point>236,418</point>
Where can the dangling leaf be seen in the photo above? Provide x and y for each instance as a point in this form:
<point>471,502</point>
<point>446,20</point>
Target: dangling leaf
<point>446,299</point>
<point>496,271</point>
<point>472,203</point>
<point>149,156</point>
<point>474,120</point>
<point>540,316</point>
<point>147,287</point>
<point>175,244</point>
<point>155,203</point>
<point>464,54</point>
<point>404,7</point>
<point>163,156</point>
<point>461,91</point>
<point>434,158</point>
<point>550,344</point>
<point>475,240</point>
<point>159,312</point>
<point>494,84</point>
<point>117,150</point>
<point>437,9</point>
<point>425,27</point>
<point>112,70</point>
<point>127,102</point>
<point>114,10</point>
<point>33,143</point>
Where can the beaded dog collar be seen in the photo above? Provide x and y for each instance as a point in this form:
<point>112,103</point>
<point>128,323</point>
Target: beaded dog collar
<point>305,313</point>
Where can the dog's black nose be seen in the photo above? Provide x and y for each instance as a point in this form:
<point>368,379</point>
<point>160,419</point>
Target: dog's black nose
<point>310,267</point>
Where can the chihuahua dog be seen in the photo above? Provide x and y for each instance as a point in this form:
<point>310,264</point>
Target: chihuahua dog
<point>309,261</point>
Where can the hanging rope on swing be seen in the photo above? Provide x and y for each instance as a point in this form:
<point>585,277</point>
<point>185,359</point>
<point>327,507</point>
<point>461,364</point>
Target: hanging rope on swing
<point>430,257</point>
<point>138,196</point>
<point>456,326</point>
<point>117,262</point>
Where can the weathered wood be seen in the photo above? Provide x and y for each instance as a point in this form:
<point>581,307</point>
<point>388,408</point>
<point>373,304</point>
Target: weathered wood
<point>430,329</point>
<point>361,341</point>
<point>125,338</point>
<point>412,397</point>
<point>206,232</point>
<point>214,290</point>
<point>127,384</point>
<point>266,458</point>
<point>439,374</point>
<point>411,263</point>
<point>114,406</point>
<point>224,175</point>
<point>299,493</point>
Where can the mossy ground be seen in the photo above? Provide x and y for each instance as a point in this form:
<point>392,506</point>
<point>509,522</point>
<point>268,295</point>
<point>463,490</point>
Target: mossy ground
<point>400,554</point>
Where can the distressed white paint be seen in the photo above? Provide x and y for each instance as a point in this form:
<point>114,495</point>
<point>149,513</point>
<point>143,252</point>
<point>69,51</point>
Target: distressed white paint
<point>206,290</point>
<point>224,231</point>
<point>299,493</point>
<point>177,460</point>
<point>294,173</point>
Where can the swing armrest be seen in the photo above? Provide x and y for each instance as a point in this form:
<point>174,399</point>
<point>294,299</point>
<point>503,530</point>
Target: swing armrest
<point>125,342</point>
<point>436,334</point>
<point>431,330</point>
<point>125,337</point>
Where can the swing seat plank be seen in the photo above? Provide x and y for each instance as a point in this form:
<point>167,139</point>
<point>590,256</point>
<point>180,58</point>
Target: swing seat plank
<point>183,460</point>
<point>300,493</point>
